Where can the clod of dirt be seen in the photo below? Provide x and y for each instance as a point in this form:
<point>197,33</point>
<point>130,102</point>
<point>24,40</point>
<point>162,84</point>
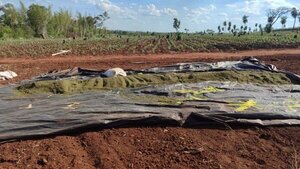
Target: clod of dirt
<point>42,161</point>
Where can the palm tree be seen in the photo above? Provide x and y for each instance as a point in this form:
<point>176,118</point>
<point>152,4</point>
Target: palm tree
<point>176,24</point>
<point>219,28</point>
<point>261,29</point>
<point>283,21</point>
<point>245,19</point>
<point>229,26</point>
<point>294,14</point>
<point>256,25</point>
<point>186,30</point>
<point>224,24</point>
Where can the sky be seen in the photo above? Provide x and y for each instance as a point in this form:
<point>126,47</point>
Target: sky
<point>157,15</point>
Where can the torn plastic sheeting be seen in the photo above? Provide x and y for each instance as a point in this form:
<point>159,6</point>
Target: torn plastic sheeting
<point>245,64</point>
<point>5,75</point>
<point>214,102</point>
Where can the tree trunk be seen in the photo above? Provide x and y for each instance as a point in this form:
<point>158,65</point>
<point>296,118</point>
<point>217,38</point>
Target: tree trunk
<point>294,24</point>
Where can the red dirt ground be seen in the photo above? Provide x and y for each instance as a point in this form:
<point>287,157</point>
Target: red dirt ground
<point>155,147</point>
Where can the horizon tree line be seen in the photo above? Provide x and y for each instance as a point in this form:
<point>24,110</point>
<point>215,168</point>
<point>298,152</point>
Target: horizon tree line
<point>273,16</point>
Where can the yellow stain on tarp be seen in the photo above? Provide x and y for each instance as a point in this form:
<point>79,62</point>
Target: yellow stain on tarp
<point>198,94</point>
<point>209,89</point>
<point>244,105</point>
<point>293,104</point>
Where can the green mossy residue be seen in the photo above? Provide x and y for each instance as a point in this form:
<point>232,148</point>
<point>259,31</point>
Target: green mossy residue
<point>70,86</point>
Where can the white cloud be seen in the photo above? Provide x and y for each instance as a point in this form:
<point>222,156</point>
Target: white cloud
<point>106,5</point>
<point>224,16</point>
<point>201,10</point>
<point>170,11</point>
<point>235,5</point>
<point>197,14</point>
<point>153,10</point>
<point>256,7</point>
<point>119,11</point>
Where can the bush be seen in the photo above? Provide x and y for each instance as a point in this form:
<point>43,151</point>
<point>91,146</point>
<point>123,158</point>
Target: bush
<point>268,28</point>
<point>6,32</point>
<point>178,36</point>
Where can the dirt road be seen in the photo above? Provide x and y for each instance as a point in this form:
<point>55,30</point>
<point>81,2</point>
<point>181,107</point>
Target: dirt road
<point>155,147</point>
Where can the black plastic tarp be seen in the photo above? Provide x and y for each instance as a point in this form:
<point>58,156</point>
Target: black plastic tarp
<point>193,104</point>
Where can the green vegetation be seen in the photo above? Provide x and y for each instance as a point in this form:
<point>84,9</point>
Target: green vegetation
<point>21,31</point>
<point>147,44</point>
<point>140,80</point>
<point>40,21</point>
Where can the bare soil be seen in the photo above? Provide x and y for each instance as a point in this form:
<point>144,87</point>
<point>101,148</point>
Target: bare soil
<point>155,147</point>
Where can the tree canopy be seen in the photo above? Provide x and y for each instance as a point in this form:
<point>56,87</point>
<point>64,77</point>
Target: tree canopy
<point>41,21</point>
<point>176,24</point>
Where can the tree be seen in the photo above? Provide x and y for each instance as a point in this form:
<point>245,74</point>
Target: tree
<point>186,30</point>
<point>283,21</point>
<point>261,30</point>
<point>176,24</point>
<point>60,23</point>
<point>229,26</point>
<point>225,25</point>
<point>268,28</point>
<point>22,13</point>
<point>10,15</point>
<point>38,17</point>
<point>100,19</point>
<point>16,20</point>
<point>219,29</point>
<point>273,15</point>
<point>294,14</point>
<point>256,25</point>
<point>299,20</point>
<point>245,19</point>
<point>39,21</point>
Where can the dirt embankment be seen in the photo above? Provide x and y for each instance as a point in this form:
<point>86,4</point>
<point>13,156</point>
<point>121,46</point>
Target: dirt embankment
<point>155,147</point>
